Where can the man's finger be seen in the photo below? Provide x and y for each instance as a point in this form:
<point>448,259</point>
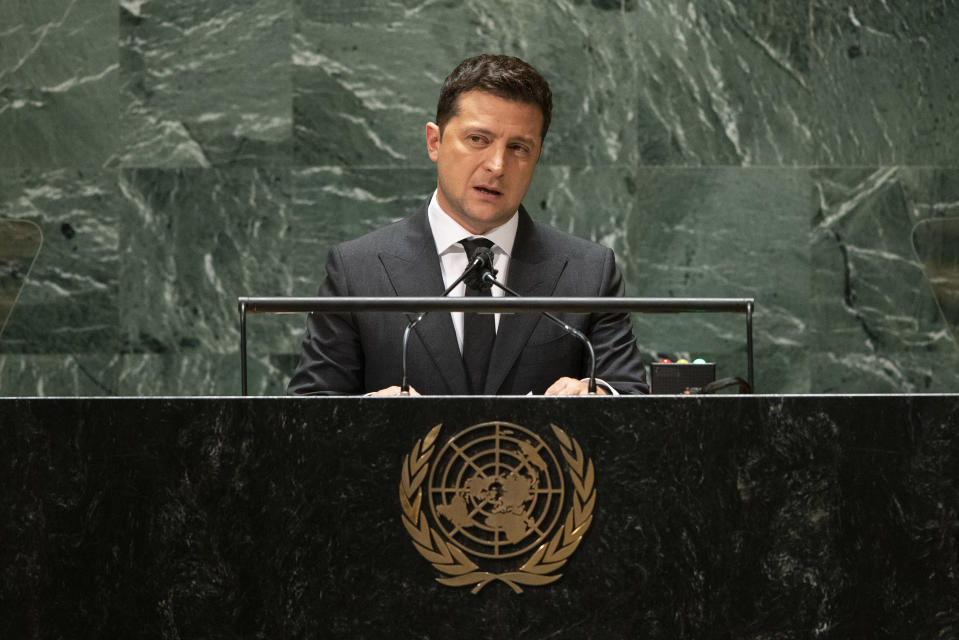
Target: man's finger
<point>562,387</point>
<point>577,388</point>
<point>393,391</point>
<point>389,391</point>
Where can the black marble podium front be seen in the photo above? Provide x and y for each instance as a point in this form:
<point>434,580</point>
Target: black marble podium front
<point>720,517</point>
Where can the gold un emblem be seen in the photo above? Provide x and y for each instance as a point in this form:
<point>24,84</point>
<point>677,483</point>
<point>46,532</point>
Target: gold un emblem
<point>495,494</point>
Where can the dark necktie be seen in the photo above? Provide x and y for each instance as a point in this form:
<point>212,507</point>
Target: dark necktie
<point>479,329</point>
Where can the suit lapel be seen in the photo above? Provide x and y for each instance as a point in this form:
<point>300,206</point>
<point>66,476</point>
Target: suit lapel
<point>533,271</point>
<point>414,268</point>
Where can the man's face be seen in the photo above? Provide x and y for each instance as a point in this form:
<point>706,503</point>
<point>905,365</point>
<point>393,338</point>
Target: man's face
<point>486,158</point>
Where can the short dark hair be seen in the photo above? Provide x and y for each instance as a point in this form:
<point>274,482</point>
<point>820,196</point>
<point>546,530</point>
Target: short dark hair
<point>503,76</point>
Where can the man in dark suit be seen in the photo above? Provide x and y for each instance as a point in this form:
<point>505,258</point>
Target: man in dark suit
<point>491,121</point>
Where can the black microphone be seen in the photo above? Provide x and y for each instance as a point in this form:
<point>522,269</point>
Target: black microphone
<point>475,278</point>
<point>478,264</point>
<point>485,277</point>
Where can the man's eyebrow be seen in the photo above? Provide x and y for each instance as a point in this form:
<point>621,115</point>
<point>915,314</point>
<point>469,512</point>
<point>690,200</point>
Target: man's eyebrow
<point>527,139</point>
<point>470,130</point>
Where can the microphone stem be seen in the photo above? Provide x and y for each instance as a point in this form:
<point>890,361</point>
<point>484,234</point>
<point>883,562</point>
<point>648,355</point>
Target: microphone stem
<point>405,385</point>
<point>591,385</point>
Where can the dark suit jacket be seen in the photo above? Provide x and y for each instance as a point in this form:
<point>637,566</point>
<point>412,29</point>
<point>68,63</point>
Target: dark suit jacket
<point>359,353</point>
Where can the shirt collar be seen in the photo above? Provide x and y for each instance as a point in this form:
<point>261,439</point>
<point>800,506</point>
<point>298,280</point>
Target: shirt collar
<point>448,232</point>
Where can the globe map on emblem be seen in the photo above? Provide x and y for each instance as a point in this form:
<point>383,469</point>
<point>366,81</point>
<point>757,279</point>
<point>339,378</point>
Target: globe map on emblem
<point>496,490</point>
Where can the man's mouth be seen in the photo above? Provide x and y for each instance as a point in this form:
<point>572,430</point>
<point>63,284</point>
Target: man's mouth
<point>488,190</point>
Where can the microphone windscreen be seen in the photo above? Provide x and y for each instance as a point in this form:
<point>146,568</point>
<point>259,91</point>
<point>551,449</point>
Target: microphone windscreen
<point>481,263</point>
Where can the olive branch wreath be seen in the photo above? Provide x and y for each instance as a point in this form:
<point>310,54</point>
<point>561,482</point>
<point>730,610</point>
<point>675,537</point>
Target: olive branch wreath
<point>448,558</point>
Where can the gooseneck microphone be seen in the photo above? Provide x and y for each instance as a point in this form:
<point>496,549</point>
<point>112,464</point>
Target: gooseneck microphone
<point>484,277</point>
<point>476,277</point>
<point>478,265</point>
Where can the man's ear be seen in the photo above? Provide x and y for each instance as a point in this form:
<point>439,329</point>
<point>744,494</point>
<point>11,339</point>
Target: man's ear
<point>433,140</point>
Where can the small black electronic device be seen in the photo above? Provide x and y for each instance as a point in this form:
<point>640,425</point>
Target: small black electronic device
<point>672,378</point>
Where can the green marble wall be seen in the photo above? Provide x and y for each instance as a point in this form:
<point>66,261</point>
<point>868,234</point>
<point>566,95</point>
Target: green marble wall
<point>176,155</point>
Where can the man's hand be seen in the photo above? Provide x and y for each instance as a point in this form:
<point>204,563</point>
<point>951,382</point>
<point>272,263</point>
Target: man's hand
<point>572,387</point>
<point>392,391</point>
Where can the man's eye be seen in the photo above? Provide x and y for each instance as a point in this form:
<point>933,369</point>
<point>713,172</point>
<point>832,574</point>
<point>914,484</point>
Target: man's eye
<point>476,139</point>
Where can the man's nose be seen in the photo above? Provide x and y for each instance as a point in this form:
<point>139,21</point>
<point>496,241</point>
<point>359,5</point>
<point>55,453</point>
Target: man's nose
<point>496,159</point>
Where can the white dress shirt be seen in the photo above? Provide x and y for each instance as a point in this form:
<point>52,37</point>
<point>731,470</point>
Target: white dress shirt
<point>447,233</point>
